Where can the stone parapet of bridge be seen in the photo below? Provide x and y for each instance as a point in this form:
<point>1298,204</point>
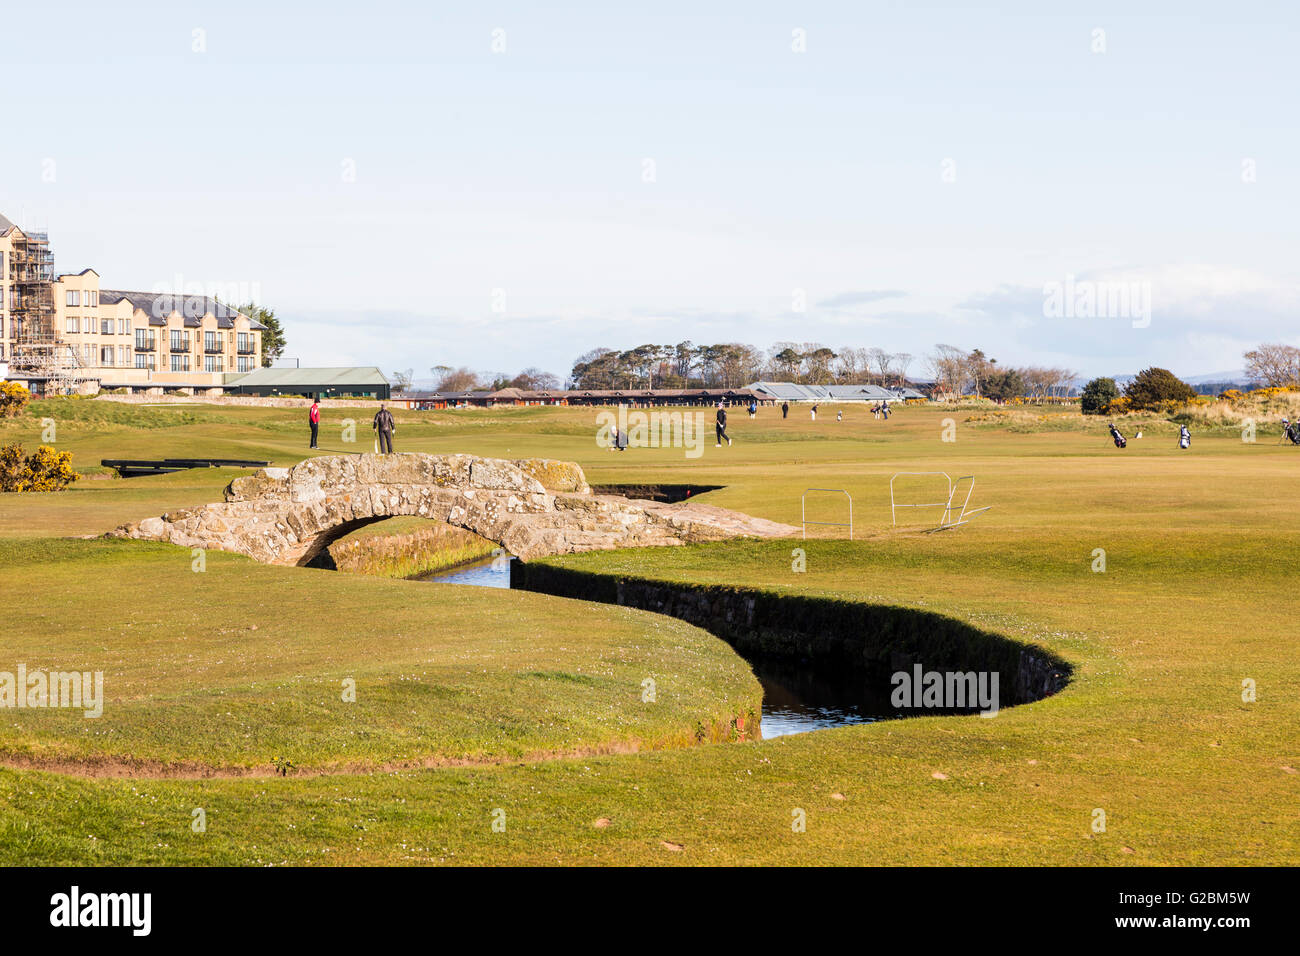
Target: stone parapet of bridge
<point>531,507</point>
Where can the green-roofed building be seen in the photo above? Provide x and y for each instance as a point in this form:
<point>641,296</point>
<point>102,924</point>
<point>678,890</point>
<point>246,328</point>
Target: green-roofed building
<point>362,381</point>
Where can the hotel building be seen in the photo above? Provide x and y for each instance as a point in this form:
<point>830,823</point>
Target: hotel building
<point>63,333</point>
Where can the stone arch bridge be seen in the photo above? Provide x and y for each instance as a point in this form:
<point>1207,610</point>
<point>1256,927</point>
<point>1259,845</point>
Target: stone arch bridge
<point>531,507</point>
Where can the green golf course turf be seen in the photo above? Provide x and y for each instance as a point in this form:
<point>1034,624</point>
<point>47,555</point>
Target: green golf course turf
<point>540,697</point>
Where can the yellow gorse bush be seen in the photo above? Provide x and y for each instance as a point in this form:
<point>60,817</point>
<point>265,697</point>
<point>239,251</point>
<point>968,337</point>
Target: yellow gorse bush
<point>43,470</point>
<point>13,399</point>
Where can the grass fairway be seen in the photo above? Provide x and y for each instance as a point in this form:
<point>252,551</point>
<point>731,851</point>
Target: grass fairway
<point>1200,560</point>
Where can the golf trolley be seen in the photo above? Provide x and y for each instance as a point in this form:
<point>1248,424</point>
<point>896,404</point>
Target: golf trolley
<point>952,515</point>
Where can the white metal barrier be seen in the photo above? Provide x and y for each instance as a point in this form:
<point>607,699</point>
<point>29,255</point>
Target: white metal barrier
<point>803,511</point>
<point>946,519</point>
<point>893,501</point>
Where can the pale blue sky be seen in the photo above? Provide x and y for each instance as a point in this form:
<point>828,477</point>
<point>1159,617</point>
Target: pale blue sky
<point>775,171</point>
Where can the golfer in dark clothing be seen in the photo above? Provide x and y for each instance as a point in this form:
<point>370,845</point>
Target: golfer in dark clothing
<point>722,426</point>
<point>313,417</point>
<point>785,409</point>
<point>385,426</point>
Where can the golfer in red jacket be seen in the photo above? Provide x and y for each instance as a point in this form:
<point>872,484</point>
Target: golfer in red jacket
<point>314,417</point>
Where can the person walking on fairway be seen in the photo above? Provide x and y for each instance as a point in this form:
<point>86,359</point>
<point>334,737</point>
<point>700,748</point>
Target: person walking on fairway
<point>1184,437</point>
<point>722,427</point>
<point>814,413</point>
<point>753,408</point>
<point>785,409</point>
<point>313,418</point>
<point>384,427</point>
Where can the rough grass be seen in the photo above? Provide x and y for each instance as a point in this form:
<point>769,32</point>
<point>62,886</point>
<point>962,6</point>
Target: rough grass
<point>1201,561</point>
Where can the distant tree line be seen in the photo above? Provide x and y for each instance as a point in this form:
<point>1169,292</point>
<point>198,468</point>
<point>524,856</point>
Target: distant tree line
<point>954,371</point>
<point>729,365</point>
<point>684,365</point>
<point>958,372</point>
<point>448,379</point>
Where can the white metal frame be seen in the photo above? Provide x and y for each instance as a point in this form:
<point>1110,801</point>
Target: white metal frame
<point>946,521</point>
<point>803,511</point>
<point>893,502</point>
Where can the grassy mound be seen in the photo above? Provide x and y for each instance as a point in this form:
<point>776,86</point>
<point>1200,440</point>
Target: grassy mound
<point>230,668</point>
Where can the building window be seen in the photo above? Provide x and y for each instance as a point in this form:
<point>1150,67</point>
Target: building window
<point>144,340</point>
<point>105,326</point>
<point>212,363</point>
<point>144,360</point>
<point>180,341</point>
<point>73,297</point>
<point>106,355</point>
<point>74,323</point>
<point>124,355</point>
<point>212,341</point>
<point>180,363</point>
<point>92,299</point>
<point>123,326</point>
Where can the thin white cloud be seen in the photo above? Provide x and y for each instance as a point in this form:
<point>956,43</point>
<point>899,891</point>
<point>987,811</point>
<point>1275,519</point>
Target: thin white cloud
<point>848,299</point>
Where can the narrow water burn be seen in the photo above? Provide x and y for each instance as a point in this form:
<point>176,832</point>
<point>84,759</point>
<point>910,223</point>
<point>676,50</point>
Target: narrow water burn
<point>818,677</point>
<point>487,573</point>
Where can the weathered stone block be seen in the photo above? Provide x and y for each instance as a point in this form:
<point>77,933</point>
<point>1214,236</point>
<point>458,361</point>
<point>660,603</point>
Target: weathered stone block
<point>555,475</point>
<point>261,484</point>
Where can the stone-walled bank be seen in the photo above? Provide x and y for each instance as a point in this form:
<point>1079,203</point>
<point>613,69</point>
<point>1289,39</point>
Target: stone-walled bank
<point>870,638</point>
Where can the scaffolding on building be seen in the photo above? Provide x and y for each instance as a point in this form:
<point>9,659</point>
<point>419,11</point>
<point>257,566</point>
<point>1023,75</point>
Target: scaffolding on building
<point>39,353</point>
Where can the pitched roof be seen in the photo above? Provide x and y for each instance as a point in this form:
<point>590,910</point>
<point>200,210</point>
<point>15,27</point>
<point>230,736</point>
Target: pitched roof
<point>5,225</point>
<point>790,391</point>
<point>159,305</point>
<point>863,392</point>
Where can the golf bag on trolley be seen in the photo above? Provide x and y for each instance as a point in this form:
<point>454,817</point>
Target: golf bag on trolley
<point>1184,438</point>
<point>1120,440</point>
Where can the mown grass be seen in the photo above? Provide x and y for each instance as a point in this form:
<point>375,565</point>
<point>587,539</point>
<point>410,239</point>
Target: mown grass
<point>232,666</point>
<point>1200,552</point>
